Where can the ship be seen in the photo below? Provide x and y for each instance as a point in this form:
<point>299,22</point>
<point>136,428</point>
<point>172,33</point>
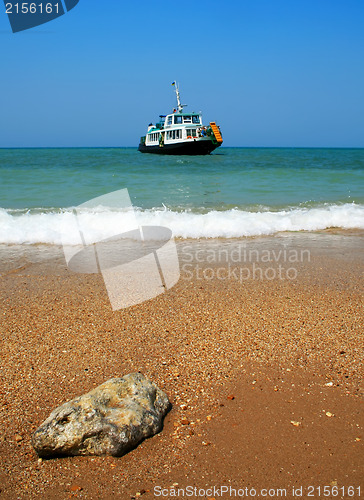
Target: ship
<point>181,133</point>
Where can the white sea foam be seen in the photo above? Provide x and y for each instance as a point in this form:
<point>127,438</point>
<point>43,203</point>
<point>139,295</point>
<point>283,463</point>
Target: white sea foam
<point>58,227</point>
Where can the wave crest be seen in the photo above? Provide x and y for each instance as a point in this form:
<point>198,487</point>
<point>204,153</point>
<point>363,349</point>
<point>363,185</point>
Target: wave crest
<point>55,227</point>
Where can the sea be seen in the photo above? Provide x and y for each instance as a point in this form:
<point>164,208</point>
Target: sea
<point>232,193</point>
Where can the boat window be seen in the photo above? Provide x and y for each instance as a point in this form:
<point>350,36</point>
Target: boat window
<point>186,119</point>
<point>191,132</point>
<point>174,134</point>
<point>196,119</point>
<point>177,119</point>
<point>169,122</point>
<point>153,137</point>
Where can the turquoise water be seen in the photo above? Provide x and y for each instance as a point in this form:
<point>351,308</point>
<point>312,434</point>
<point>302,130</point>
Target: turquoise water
<point>235,181</point>
<point>230,177</point>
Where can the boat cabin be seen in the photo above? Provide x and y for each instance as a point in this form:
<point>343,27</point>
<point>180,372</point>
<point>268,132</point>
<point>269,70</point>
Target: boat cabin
<point>176,126</point>
<point>182,118</point>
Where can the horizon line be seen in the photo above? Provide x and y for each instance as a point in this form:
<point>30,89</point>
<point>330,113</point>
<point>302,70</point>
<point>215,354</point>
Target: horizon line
<point>224,147</point>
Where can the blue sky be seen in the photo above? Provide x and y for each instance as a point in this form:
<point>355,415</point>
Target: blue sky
<point>269,72</point>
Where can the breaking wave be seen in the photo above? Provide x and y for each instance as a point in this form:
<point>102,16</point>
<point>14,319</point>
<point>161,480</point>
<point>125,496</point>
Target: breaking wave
<point>57,226</point>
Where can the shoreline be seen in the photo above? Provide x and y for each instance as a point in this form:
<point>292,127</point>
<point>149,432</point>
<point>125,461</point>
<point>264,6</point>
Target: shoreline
<point>283,251</point>
<point>286,350</point>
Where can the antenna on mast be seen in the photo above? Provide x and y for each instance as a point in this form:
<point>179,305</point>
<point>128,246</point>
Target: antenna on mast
<point>179,105</point>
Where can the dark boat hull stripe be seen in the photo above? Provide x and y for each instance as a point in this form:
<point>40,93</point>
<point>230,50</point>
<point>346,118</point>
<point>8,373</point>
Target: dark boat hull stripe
<point>185,148</point>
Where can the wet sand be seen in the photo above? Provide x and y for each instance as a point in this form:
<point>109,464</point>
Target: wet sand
<point>264,371</point>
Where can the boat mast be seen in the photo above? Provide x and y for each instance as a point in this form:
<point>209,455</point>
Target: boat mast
<point>179,105</point>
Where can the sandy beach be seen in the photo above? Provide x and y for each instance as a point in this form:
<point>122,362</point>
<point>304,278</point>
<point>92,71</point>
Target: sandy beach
<point>261,355</point>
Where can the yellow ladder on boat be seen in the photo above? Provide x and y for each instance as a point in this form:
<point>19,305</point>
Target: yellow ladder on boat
<point>216,131</point>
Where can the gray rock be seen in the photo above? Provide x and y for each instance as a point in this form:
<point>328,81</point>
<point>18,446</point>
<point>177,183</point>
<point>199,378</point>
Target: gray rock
<point>109,420</point>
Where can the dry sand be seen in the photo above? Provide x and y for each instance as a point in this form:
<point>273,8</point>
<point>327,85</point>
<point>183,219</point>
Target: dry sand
<point>264,374</point>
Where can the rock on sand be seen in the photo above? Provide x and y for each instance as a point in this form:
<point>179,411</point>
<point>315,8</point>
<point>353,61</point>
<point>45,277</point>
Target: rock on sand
<point>109,420</point>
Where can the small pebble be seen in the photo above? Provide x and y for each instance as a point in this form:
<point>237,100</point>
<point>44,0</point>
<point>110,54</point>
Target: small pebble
<point>295,423</point>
